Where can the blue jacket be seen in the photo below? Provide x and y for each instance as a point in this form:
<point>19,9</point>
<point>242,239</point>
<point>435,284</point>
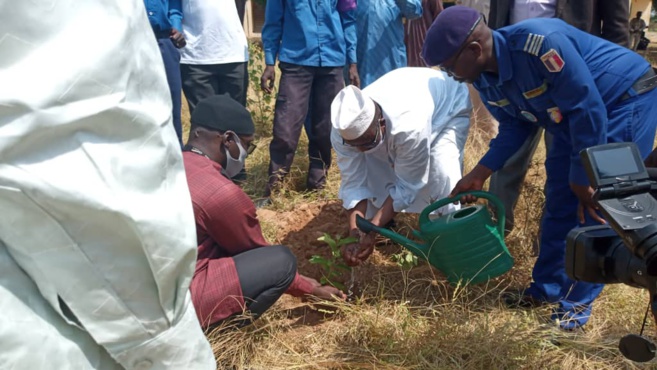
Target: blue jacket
<point>309,33</point>
<point>380,33</point>
<point>558,77</point>
<point>164,14</point>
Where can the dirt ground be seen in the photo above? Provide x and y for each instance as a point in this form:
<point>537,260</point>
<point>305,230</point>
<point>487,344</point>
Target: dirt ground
<point>300,228</point>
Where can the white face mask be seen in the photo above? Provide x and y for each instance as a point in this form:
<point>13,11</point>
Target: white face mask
<point>233,165</point>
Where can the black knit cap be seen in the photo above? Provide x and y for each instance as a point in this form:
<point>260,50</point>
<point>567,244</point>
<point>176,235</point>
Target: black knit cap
<point>222,113</point>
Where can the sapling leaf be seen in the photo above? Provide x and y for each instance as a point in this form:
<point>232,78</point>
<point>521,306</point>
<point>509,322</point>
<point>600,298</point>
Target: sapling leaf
<point>342,266</point>
<point>409,258</point>
<point>318,259</point>
<point>349,240</point>
<point>332,266</point>
<point>326,238</point>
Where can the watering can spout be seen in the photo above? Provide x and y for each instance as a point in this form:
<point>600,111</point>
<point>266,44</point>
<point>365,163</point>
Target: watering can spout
<point>366,227</point>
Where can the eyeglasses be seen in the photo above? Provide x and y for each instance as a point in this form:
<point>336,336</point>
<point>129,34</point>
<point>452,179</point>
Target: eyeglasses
<point>373,143</point>
<point>251,148</point>
<point>450,69</point>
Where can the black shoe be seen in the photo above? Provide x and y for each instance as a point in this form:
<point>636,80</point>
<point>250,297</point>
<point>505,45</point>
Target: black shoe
<point>315,188</point>
<point>262,202</point>
<point>518,299</point>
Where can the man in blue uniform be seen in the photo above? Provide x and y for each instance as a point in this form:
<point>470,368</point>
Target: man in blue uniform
<point>584,90</point>
<point>165,17</point>
<point>312,41</point>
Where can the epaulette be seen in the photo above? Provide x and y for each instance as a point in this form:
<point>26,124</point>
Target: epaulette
<point>533,44</point>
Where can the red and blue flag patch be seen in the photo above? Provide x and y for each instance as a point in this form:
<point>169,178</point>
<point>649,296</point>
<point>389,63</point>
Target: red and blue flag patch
<point>553,61</point>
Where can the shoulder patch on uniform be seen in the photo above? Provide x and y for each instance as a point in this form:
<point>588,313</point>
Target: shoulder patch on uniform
<point>535,92</point>
<point>533,44</point>
<point>553,61</point>
<point>555,114</point>
<point>499,103</point>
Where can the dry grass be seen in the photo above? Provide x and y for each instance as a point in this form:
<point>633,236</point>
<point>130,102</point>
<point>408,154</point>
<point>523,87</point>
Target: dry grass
<point>413,319</point>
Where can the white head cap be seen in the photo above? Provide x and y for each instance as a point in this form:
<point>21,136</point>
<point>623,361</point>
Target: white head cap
<point>352,112</point>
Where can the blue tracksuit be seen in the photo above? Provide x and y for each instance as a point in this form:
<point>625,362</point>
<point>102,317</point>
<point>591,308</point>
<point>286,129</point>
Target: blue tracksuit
<point>572,84</point>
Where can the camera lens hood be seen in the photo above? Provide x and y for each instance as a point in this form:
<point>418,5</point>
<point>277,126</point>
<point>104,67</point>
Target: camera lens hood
<point>637,348</point>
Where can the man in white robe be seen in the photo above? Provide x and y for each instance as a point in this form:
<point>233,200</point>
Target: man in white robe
<point>399,145</point>
<point>97,234</point>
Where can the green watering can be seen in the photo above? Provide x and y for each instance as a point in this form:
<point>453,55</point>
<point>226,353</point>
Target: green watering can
<point>465,245</point>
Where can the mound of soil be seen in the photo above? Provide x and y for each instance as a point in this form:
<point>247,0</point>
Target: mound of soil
<point>300,228</point>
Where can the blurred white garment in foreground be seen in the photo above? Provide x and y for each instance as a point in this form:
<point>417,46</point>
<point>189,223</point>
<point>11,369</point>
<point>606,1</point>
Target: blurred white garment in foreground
<point>97,238</point>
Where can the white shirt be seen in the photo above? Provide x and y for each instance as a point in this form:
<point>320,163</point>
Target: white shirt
<point>525,9</point>
<point>427,119</point>
<point>97,236</point>
<point>213,33</point>
<point>637,25</point>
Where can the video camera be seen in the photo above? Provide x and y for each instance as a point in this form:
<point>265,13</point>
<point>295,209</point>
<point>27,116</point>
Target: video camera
<point>625,251</point>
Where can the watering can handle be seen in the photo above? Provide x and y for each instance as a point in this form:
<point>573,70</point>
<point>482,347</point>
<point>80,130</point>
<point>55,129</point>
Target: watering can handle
<point>424,216</point>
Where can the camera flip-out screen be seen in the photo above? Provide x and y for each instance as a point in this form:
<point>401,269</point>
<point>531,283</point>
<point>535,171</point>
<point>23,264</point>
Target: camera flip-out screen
<point>613,163</point>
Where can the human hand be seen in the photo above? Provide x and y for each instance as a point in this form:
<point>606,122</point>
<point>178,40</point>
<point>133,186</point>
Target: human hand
<point>354,254</point>
<point>177,38</point>
<point>349,253</point>
<point>267,79</point>
<point>365,246</point>
<point>651,159</point>
<point>312,281</point>
<point>474,180</point>
<point>585,195</point>
<point>329,293</point>
<point>354,78</point>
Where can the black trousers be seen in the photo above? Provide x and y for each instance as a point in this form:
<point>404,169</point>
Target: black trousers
<point>200,81</point>
<point>300,85</point>
<point>264,275</point>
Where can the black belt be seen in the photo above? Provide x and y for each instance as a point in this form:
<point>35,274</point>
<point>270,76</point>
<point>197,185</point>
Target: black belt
<point>645,83</point>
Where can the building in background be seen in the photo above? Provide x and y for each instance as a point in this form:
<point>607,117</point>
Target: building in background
<point>255,13</point>
<point>644,6</point>
<point>254,18</point>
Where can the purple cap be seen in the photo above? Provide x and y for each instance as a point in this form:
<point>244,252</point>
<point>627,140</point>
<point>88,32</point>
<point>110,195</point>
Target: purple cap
<point>448,33</point>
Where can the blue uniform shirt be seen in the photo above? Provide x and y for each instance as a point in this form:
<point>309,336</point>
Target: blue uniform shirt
<point>309,33</point>
<point>560,78</point>
<point>164,14</point>
<point>380,34</point>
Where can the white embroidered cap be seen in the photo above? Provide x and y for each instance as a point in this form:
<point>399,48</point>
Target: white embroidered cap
<point>352,112</point>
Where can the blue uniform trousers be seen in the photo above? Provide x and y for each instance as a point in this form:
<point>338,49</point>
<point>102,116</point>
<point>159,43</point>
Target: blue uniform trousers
<point>171,59</point>
<point>634,119</point>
